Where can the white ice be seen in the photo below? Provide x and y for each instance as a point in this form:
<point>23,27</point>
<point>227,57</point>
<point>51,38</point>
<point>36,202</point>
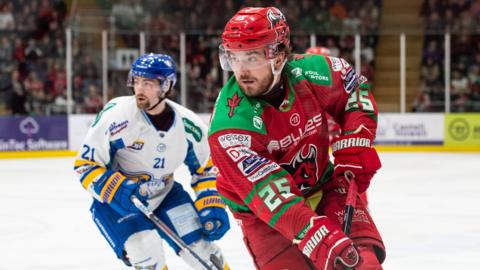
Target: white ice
<point>426,206</point>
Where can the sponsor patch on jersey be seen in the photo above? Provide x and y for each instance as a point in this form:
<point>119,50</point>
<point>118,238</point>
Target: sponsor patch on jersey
<point>191,128</point>
<point>273,145</point>
<point>296,134</point>
<point>263,171</point>
<point>336,63</point>
<point>295,119</point>
<point>233,139</point>
<point>115,128</point>
<point>297,72</point>
<point>344,63</point>
<point>257,122</point>
<point>251,163</point>
<point>83,168</point>
<point>239,153</point>
<point>350,79</point>
<point>314,75</point>
<point>136,145</point>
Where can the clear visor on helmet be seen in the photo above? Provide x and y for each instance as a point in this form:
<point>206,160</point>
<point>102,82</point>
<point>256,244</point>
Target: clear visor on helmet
<point>253,58</point>
<point>165,82</point>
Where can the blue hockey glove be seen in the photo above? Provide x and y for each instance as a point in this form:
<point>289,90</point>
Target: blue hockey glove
<point>117,190</point>
<point>213,216</point>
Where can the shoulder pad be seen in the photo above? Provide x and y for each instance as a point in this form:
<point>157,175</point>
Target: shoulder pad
<point>310,67</point>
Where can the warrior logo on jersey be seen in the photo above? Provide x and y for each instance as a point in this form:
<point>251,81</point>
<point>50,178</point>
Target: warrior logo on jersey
<point>303,167</point>
<point>232,103</point>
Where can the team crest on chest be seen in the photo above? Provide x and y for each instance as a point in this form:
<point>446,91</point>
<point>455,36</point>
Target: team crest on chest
<point>233,102</point>
<point>303,167</point>
<point>161,147</point>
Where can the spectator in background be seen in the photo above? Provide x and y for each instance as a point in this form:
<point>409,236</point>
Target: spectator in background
<point>59,104</point>
<point>434,24</point>
<point>37,100</point>
<point>93,102</point>
<point>332,47</point>
<point>6,54</point>
<point>460,84</point>
<point>7,21</point>
<point>422,102</point>
<point>16,95</point>
<point>432,52</point>
<point>430,72</point>
<point>88,71</point>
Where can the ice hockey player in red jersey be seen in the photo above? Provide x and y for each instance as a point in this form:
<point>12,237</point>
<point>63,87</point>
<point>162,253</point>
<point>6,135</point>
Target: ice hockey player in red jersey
<point>269,139</point>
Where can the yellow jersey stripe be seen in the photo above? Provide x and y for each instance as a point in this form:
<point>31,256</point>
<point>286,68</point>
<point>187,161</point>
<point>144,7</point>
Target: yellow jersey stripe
<point>204,185</point>
<point>88,179</point>
<point>81,162</point>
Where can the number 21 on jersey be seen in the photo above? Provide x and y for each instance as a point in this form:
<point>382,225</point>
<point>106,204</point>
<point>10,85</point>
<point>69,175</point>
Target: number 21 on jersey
<point>159,163</point>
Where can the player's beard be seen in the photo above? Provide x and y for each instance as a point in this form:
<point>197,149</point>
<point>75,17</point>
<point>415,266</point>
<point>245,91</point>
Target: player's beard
<point>143,103</point>
<point>257,86</point>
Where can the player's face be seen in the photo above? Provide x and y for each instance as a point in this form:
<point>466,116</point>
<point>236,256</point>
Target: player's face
<point>252,71</point>
<point>146,92</point>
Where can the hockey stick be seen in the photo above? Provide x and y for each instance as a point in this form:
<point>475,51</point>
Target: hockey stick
<point>175,238</point>
<point>350,203</point>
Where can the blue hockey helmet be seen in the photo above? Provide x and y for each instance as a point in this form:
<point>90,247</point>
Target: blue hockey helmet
<point>154,66</point>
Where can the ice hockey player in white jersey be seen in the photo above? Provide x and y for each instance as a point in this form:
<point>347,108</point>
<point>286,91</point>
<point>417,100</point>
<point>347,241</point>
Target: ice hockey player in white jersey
<point>132,148</point>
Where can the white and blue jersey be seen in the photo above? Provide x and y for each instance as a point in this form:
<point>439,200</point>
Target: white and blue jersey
<point>122,144</point>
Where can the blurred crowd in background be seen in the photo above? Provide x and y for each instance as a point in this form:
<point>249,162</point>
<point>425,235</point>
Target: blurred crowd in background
<point>33,47</point>
<point>461,18</point>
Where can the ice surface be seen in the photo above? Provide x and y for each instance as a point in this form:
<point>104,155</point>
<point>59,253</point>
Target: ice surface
<point>426,206</point>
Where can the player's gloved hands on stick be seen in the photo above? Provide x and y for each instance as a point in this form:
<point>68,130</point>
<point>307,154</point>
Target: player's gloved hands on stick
<point>354,152</point>
<point>327,246</point>
<point>212,214</point>
<point>119,191</point>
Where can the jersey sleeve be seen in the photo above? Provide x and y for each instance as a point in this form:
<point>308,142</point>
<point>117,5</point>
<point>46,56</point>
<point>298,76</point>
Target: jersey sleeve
<point>252,181</point>
<point>92,162</point>
<point>351,102</point>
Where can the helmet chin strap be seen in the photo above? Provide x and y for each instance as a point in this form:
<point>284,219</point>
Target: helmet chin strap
<point>276,74</point>
<point>156,104</point>
<point>160,98</point>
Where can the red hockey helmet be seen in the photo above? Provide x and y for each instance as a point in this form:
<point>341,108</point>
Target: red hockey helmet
<point>253,28</point>
<point>318,50</point>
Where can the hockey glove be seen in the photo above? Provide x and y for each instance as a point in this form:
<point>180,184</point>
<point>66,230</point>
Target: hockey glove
<point>327,246</point>
<point>212,214</point>
<point>116,190</point>
<point>354,152</point>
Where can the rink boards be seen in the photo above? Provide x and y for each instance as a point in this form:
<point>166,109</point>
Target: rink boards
<point>54,136</point>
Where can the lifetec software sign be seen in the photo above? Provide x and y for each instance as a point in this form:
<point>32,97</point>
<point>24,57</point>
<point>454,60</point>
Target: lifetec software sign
<point>33,133</point>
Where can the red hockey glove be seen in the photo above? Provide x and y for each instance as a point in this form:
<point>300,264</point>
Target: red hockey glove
<point>327,246</point>
<point>355,153</point>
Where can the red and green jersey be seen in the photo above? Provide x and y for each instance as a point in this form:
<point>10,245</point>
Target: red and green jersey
<point>271,159</point>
